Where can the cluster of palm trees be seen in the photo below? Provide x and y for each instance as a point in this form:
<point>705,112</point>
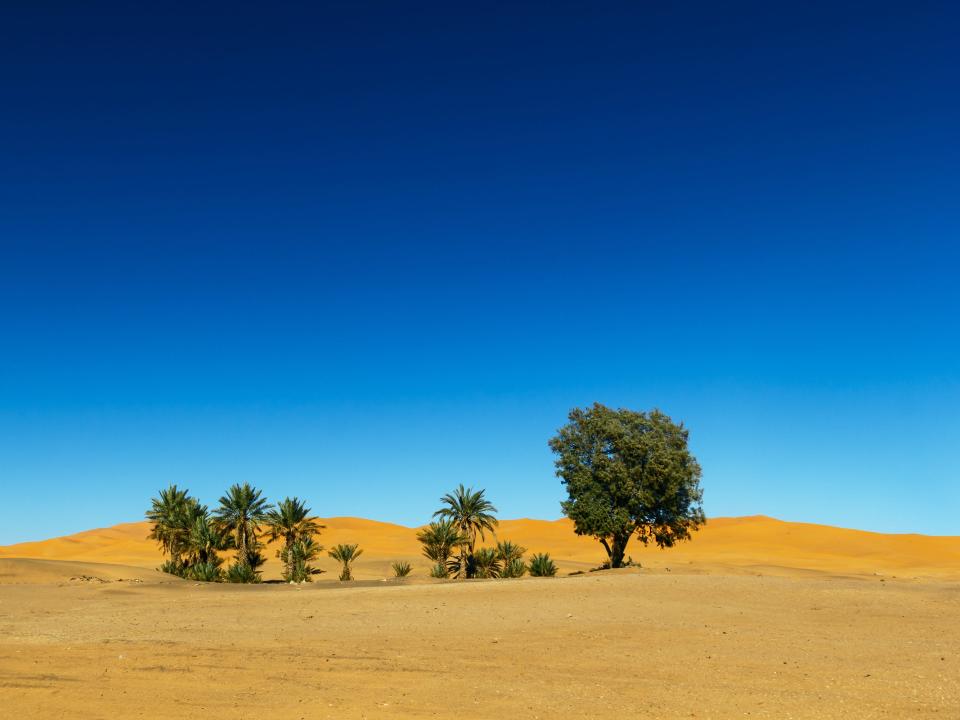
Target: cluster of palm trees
<point>192,536</point>
<point>450,542</point>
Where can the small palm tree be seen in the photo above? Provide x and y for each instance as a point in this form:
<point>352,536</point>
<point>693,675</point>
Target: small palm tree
<point>542,566</point>
<point>486,564</point>
<point>241,513</point>
<point>510,556</point>
<point>440,538</point>
<point>302,553</point>
<point>346,554</point>
<point>171,517</point>
<point>206,540</point>
<point>401,569</point>
<point>472,514</point>
<point>291,521</point>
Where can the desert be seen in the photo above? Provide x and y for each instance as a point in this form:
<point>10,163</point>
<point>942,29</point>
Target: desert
<point>479,361</point>
<point>753,618</point>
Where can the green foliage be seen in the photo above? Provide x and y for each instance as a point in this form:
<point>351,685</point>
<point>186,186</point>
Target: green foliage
<point>291,521</point>
<point>185,531</point>
<point>514,569</point>
<point>439,539</point>
<point>301,553</point>
<point>472,515</point>
<point>172,567</point>
<point>439,570</point>
<point>171,517</point>
<point>401,569</point>
<point>345,555</point>
<point>242,573</point>
<point>205,572</point>
<point>542,566</point>
<point>628,473</point>
<point>205,541</point>
<point>486,564</point>
<point>510,556</point>
<point>241,513</point>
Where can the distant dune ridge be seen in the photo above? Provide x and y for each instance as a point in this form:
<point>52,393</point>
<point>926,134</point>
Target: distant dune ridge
<point>755,544</point>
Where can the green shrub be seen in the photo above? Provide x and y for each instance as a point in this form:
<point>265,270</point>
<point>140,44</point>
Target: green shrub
<point>172,567</point>
<point>486,564</point>
<point>514,569</point>
<point>401,569</point>
<point>242,573</point>
<point>205,572</point>
<point>439,571</point>
<point>511,559</point>
<point>542,566</point>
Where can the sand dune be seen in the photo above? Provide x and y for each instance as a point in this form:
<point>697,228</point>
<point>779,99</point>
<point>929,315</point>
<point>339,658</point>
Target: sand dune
<point>745,544</point>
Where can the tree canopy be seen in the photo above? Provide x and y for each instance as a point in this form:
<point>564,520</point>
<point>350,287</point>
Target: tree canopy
<point>628,473</point>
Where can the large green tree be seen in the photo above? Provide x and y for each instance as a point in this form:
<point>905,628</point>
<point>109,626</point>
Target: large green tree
<point>628,473</point>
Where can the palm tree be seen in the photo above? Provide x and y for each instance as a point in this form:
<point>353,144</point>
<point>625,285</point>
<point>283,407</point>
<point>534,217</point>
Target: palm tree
<point>440,538</point>
<point>511,559</point>
<point>205,541</point>
<point>346,554</point>
<point>172,516</point>
<point>302,553</point>
<point>472,514</point>
<point>291,521</point>
<point>242,510</point>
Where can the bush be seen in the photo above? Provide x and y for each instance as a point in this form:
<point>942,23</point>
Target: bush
<point>485,564</point>
<point>439,571</point>
<point>172,567</point>
<point>514,569</point>
<point>401,569</point>
<point>242,573</point>
<point>542,566</point>
<point>205,572</point>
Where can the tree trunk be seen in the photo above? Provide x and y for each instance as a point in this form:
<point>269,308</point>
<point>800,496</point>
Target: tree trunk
<point>616,548</point>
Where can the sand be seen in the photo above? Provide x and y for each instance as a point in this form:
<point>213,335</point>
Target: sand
<point>744,544</point>
<point>755,618</point>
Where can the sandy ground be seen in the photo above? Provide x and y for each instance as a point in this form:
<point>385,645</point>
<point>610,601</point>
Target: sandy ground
<point>81,640</point>
<point>754,618</point>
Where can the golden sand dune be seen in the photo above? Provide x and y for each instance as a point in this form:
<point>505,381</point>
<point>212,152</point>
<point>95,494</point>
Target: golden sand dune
<point>745,544</point>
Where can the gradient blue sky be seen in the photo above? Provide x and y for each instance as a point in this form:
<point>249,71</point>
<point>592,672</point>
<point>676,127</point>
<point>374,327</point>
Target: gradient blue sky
<point>361,252</point>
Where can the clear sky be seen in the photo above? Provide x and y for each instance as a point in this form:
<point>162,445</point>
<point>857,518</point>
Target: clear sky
<point>362,252</point>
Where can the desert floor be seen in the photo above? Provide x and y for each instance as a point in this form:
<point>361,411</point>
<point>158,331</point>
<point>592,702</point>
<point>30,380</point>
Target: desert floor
<point>86,640</point>
<point>753,618</point>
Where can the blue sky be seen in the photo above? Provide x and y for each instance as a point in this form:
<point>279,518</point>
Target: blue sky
<point>362,254</point>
